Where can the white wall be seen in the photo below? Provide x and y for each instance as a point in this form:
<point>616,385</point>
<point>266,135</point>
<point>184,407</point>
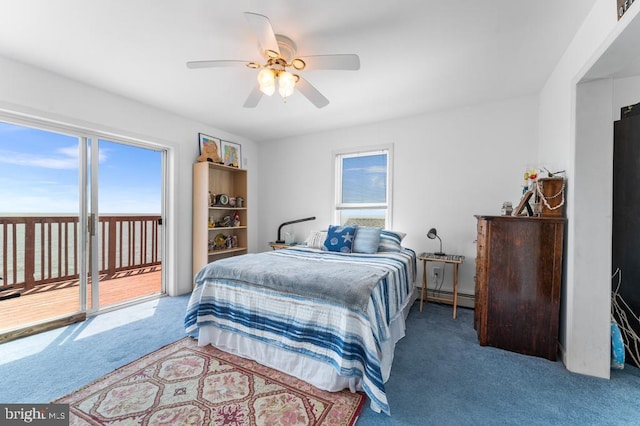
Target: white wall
<point>557,96</point>
<point>626,91</point>
<point>587,334</point>
<point>31,92</point>
<point>447,167</point>
<point>576,132</point>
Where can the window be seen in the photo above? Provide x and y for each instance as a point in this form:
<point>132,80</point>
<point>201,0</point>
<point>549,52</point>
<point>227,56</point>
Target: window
<point>363,187</point>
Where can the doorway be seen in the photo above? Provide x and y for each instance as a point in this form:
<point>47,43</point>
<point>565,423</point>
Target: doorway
<point>80,225</point>
<point>625,228</point>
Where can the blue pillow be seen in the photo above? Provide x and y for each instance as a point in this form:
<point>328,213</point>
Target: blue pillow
<point>340,238</point>
<point>367,240</point>
<point>390,241</point>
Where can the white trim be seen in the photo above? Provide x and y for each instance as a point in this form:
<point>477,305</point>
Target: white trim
<point>94,215</point>
<point>83,201</point>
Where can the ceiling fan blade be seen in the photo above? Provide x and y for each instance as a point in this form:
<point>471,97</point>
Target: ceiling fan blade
<point>253,98</point>
<point>215,64</point>
<point>349,62</point>
<point>261,26</point>
<point>311,93</point>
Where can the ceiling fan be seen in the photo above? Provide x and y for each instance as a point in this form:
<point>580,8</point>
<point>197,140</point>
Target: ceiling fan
<point>281,65</point>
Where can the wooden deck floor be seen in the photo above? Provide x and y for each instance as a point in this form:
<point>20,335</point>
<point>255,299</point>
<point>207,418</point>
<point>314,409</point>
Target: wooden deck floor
<point>56,300</point>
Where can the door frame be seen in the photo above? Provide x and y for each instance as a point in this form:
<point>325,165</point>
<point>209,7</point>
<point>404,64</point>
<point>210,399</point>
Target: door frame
<point>84,135</point>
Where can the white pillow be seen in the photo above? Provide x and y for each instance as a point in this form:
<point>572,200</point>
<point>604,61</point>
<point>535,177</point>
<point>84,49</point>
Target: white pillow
<point>316,239</point>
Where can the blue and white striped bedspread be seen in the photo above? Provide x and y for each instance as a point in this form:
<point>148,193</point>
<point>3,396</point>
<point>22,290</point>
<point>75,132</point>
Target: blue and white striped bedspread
<point>279,298</point>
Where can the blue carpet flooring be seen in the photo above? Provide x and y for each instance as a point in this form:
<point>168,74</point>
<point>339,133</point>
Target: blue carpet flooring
<point>440,374</point>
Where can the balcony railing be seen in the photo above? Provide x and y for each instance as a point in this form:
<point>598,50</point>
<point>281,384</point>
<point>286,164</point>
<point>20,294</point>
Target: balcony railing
<point>38,250</point>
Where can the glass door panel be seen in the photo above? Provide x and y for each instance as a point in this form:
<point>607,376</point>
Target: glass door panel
<point>129,237</point>
<point>39,226</point>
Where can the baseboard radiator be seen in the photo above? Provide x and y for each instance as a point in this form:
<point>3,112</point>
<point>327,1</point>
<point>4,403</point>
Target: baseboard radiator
<point>445,296</point>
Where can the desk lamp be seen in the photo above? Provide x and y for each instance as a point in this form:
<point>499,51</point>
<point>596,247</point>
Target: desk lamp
<point>434,234</point>
<point>281,241</point>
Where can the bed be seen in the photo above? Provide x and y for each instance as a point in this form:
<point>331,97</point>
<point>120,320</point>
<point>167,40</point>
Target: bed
<point>329,318</point>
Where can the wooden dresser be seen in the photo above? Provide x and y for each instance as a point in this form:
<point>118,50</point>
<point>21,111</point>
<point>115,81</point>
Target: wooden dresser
<point>518,283</point>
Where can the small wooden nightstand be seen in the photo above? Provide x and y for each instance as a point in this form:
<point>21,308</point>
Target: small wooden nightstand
<point>455,260</point>
<point>276,246</point>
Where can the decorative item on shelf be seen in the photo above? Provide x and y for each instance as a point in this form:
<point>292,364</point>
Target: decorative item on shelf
<point>231,154</point>
<point>212,198</point>
<point>280,240</point>
<point>222,200</point>
<point>432,234</point>
<point>220,242</point>
<point>212,223</point>
<point>234,241</point>
<point>239,202</point>
<point>209,149</point>
<point>232,201</point>
<point>225,221</point>
<point>507,208</point>
<point>236,220</point>
<point>623,6</point>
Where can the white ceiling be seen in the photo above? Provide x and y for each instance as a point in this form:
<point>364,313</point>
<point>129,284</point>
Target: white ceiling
<point>416,55</point>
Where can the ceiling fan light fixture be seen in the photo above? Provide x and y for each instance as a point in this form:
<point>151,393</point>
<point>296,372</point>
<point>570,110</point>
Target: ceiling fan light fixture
<point>267,81</point>
<point>286,83</point>
<point>298,64</point>
<point>280,54</point>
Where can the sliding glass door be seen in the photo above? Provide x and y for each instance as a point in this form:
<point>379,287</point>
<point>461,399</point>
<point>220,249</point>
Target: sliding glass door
<point>80,225</point>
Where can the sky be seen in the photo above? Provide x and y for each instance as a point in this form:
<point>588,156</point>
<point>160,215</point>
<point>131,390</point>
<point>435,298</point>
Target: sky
<point>364,179</point>
<point>39,174</point>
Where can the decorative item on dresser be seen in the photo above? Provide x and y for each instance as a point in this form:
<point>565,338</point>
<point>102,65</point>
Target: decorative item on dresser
<point>518,283</point>
<point>550,194</point>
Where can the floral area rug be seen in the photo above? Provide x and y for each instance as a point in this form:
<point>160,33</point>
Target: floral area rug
<point>184,384</point>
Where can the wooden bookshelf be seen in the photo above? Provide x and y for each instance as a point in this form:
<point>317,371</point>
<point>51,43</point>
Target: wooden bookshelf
<point>210,181</point>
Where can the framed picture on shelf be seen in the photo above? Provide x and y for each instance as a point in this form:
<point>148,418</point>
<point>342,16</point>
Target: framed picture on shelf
<point>209,148</point>
<point>231,154</point>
